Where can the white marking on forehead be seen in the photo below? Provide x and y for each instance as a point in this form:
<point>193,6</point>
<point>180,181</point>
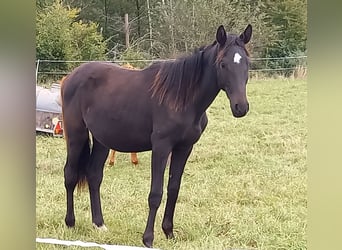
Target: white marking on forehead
<point>237,57</point>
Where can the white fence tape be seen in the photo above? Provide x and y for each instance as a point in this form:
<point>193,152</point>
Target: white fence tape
<point>162,60</point>
<point>303,58</point>
<point>88,244</point>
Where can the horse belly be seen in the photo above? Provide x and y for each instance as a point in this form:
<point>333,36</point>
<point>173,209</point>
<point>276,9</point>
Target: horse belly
<point>126,142</point>
<point>124,135</point>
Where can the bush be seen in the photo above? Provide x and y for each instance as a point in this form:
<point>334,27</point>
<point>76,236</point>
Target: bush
<point>131,56</point>
<point>60,36</point>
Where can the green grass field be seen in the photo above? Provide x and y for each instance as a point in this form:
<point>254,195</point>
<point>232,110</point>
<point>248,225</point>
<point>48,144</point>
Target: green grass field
<point>244,186</point>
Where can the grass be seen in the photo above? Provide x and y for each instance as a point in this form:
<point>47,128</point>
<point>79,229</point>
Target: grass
<point>244,186</point>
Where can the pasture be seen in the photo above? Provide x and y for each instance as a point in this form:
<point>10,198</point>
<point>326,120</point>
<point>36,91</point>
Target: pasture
<point>244,185</point>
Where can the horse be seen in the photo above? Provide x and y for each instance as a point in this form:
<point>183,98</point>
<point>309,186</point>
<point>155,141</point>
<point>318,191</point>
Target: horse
<point>134,158</point>
<point>161,108</point>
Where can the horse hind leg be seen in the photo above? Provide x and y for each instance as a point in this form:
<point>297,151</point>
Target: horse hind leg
<point>94,174</point>
<point>111,157</point>
<point>74,171</point>
<point>134,158</point>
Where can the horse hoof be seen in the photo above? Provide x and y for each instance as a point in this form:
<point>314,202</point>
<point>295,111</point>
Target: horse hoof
<point>135,162</point>
<point>167,227</point>
<point>70,222</point>
<point>100,228</point>
<point>170,236</point>
<point>148,242</point>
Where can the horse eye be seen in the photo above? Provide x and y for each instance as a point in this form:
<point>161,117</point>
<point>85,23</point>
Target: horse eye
<point>222,65</point>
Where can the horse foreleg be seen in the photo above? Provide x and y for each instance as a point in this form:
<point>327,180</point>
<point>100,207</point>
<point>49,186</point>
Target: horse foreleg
<point>111,157</point>
<point>178,159</point>
<point>94,173</point>
<point>159,158</point>
<point>134,158</point>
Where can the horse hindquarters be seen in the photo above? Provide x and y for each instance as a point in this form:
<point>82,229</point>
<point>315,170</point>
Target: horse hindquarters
<point>77,142</point>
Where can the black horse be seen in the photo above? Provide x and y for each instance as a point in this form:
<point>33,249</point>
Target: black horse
<point>160,108</point>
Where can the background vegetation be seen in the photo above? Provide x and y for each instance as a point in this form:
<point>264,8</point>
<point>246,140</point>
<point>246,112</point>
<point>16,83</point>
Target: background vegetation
<point>244,186</point>
<point>94,29</point>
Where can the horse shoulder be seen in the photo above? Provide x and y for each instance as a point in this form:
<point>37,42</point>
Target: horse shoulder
<point>193,129</point>
<point>203,122</point>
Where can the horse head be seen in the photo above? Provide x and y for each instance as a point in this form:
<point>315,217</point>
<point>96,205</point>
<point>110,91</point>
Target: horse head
<point>232,65</point>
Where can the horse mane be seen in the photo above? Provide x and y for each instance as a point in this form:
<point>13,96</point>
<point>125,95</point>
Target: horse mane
<point>176,82</point>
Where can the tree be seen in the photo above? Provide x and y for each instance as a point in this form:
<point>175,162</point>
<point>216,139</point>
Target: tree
<point>290,33</point>
<point>109,15</point>
<point>61,36</point>
<point>165,28</point>
<point>185,25</point>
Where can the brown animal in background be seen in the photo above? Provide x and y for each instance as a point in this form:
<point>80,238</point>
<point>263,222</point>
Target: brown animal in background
<point>134,158</point>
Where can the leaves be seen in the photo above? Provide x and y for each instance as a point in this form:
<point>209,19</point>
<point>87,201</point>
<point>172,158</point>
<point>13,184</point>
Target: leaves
<point>165,28</point>
<point>61,36</point>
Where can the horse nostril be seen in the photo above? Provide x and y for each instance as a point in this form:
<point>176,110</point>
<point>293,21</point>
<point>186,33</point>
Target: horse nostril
<point>237,107</point>
<point>241,109</point>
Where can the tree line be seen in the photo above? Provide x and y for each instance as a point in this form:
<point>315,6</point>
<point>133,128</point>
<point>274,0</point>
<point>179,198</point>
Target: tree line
<point>95,30</point>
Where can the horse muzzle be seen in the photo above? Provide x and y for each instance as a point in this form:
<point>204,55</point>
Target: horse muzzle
<point>240,109</point>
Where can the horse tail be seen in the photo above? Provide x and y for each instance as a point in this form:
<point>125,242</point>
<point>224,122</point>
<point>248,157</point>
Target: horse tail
<point>61,82</point>
<point>84,159</point>
<point>82,184</point>
<point>68,89</point>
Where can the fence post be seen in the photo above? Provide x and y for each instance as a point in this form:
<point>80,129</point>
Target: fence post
<point>127,31</point>
<point>37,71</point>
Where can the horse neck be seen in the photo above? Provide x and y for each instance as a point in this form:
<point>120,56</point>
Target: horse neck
<point>208,88</point>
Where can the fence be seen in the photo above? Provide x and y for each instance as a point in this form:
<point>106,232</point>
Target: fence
<point>53,70</point>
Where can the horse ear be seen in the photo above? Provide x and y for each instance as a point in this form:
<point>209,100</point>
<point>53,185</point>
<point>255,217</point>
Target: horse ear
<point>221,35</point>
<point>247,34</point>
